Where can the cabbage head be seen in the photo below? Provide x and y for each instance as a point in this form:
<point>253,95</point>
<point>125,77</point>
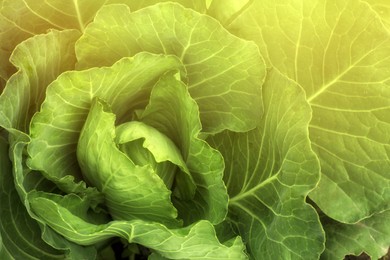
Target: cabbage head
<point>202,129</point>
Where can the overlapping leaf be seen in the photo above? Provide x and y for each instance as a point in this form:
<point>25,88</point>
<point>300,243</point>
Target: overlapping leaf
<point>40,60</point>
<point>22,19</point>
<point>131,191</point>
<point>55,129</point>
<point>174,113</point>
<point>339,52</point>
<point>269,172</point>
<point>20,235</point>
<point>221,68</point>
<point>25,223</point>
<point>197,241</point>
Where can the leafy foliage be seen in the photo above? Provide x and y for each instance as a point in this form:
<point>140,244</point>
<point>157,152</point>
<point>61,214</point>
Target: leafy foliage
<point>202,129</point>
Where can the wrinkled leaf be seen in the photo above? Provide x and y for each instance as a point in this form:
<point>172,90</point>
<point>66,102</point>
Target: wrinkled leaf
<point>19,233</point>
<point>26,181</point>
<point>197,241</point>
<point>131,191</point>
<point>157,151</point>
<point>174,113</point>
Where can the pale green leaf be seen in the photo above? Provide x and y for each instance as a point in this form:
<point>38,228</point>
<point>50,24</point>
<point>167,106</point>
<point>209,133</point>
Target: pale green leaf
<point>155,150</point>
<point>162,148</point>
<point>197,241</point>
<point>131,191</point>
<point>269,172</point>
<point>339,52</point>
<point>225,73</point>
<point>55,129</point>
<point>174,113</point>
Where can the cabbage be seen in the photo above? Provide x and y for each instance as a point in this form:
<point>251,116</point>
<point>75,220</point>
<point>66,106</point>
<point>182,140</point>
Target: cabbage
<point>194,129</point>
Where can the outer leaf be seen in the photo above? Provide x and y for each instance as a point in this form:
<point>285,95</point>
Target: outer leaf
<point>39,60</point>
<point>10,36</point>
<point>194,242</point>
<point>19,234</point>
<point>224,72</point>
<point>174,113</point>
<point>269,172</point>
<point>25,181</point>
<point>131,191</point>
<point>21,19</point>
<point>339,52</point>
<point>37,16</point>
<point>371,236</point>
<point>55,129</point>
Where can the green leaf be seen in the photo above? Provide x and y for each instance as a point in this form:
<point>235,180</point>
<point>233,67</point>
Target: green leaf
<point>39,60</point>
<point>19,233</point>
<point>339,52</point>
<point>131,191</point>
<point>197,241</point>
<point>269,172</point>
<point>225,73</point>
<point>25,181</point>
<point>371,235</point>
<point>174,113</point>
<point>56,128</point>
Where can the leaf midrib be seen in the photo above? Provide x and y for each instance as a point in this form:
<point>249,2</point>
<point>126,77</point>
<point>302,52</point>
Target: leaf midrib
<point>79,17</point>
<point>243,194</point>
